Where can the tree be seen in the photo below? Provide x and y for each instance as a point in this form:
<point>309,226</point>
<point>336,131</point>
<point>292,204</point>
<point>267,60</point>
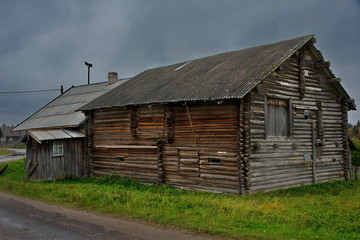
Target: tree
<point>356,132</point>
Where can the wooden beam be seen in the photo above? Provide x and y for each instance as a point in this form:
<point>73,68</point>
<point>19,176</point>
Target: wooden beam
<point>127,146</point>
<point>313,40</point>
<point>266,114</point>
<point>302,73</point>
<point>290,118</point>
<point>326,64</point>
<point>350,100</point>
<point>333,80</point>
<point>313,129</point>
<point>134,122</point>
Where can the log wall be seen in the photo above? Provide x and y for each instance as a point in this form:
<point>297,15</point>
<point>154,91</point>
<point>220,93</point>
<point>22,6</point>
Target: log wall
<point>280,162</point>
<point>203,154</point>
<point>125,142</point>
<point>188,146</point>
<point>224,146</point>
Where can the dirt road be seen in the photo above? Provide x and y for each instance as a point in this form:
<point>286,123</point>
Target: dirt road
<point>15,155</point>
<point>22,218</point>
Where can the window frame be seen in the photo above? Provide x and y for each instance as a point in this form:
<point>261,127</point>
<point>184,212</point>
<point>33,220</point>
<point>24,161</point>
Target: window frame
<point>58,148</point>
<point>289,113</point>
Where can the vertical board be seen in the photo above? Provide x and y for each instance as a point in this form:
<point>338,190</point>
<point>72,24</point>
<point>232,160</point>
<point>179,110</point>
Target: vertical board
<point>67,166</point>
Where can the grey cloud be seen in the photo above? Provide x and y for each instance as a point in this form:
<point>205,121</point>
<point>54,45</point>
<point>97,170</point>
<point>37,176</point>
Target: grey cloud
<point>43,44</point>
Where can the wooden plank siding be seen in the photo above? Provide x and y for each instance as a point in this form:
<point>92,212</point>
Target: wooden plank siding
<point>70,165</point>
<point>280,162</point>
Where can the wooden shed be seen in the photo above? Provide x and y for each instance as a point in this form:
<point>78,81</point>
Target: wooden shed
<point>55,136</point>
<point>257,119</point>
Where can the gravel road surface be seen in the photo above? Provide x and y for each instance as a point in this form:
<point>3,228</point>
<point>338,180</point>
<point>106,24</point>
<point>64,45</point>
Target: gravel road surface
<point>22,218</point>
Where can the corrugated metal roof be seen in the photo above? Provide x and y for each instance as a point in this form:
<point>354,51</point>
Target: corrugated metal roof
<point>54,134</point>
<point>228,75</point>
<point>61,112</point>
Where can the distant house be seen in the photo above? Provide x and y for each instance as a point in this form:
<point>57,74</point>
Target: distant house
<point>8,137</point>
<point>257,119</point>
<point>56,133</point>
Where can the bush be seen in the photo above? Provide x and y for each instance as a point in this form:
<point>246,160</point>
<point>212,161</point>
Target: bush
<point>355,158</point>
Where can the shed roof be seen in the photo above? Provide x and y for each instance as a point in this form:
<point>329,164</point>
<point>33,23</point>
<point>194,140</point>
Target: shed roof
<point>60,112</point>
<point>55,134</point>
<point>229,75</point>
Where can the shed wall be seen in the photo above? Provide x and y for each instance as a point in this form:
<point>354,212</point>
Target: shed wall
<point>67,166</point>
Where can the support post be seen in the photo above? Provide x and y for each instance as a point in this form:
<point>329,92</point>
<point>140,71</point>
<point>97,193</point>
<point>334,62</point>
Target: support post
<point>245,142</point>
<point>302,73</point>
<point>240,147</point>
<point>89,169</point>
<point>313,131</point>
<point>160,155</point>
<point>346,150</point>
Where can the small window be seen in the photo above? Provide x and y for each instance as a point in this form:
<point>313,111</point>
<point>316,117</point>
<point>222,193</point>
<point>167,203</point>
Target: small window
<point>58,148</point>
<point>278,117</point>
<point>214,160</point>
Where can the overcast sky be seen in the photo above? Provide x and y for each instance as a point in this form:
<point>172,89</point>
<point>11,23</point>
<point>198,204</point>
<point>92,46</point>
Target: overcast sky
<point>43,44</point>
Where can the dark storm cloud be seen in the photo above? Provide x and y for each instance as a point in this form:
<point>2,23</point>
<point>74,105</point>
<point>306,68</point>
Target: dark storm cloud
<point>43,44</point>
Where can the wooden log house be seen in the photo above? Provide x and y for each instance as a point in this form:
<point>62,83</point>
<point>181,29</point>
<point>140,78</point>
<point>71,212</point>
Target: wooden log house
<point>8,137</point>
<point>258,119</point>
<point>55,135</point>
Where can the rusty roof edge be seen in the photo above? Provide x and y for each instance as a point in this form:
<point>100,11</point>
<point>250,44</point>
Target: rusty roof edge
<point>51,132</point>
<point>34,137</point>
<point>49,127</point>
<point>164,102</point>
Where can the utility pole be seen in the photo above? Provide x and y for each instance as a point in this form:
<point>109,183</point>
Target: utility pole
<point>89,65</point>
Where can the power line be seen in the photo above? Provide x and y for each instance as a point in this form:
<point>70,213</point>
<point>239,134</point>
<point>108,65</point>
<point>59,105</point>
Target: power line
<point>31,91</point>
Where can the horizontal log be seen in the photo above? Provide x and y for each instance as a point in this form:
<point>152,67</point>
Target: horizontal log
<point>126,146</point>
<point>333,80</point>
<point>282,185</point>
<point>326,64</point>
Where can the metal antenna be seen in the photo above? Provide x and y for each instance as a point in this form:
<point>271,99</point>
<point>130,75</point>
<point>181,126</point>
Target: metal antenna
<point>89,65</point>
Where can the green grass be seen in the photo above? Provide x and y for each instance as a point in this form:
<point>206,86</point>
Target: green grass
<point>323,211</point>
<point>356,142</point>
<point>355,154</point>
<point>21,146</point>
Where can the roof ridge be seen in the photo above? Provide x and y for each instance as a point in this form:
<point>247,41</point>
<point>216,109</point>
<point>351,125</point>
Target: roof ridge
<point>308,36</point>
